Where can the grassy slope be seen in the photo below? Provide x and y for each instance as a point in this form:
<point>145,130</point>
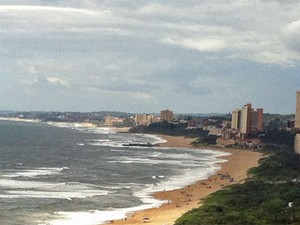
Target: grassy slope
<point>262,200</point>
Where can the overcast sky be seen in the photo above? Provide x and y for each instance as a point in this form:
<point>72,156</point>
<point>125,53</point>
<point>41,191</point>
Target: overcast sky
<point>143,56</point>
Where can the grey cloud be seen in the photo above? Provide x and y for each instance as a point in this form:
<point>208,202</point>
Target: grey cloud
<point>203,34</point>
<point>160,51</point>
<point>122,85</point>
<point>50,82</point>
<point>292,35</point>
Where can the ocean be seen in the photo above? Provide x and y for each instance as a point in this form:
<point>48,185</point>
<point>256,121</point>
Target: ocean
<point>71,174</point>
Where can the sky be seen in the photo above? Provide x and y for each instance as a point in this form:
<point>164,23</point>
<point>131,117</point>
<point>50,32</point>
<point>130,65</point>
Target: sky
<point>144,56</point>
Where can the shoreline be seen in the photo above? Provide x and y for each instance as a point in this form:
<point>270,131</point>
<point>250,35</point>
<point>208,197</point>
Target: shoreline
<point>179,201</point>
<point>182,200</point>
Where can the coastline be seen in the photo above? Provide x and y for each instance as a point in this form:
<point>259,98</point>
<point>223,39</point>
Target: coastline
<point>234,170</point>
<point>189,197</point>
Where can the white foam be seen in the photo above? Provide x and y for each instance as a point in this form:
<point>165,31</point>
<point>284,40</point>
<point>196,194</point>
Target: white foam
<point>18,184</point>
<point>122,141</point>
<point>145,194</point>
<point>107,143</point>
<point>17,119</point>
<point>54,194</point>
<point>155,154</point>
<point>90,217</point>
<point>83,127</point>
<point>113,143</point>
<point>43,171</point>
<point>157,176</point>
<point>104,130</point>
<point>38,189</point>
<point>126,160</point>
<point>98,217</point>
<point>189,157</point>
<point>186,177</point>
<point>85,218</point>
<point>157,139</point>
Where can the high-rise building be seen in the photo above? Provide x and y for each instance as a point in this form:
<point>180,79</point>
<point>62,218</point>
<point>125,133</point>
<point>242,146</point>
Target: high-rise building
<point>260,119</point>
<point>247,119</point>
<point>235,119</point>
<point>144,119</point>
<point>297,124</point>
<point>297,143</point>
<point>297,115</point>
<point>166,115</point>
<point>257,120</point>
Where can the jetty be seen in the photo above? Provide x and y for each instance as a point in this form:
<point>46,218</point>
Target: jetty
<point>141,144</point>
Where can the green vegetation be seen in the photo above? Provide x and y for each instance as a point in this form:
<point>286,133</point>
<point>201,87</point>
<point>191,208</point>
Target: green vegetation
<point>269,117</point>
<point>271,197</point>
<point>177,130</point>
<point>281,137</point>
<point>254,202</point>
<point>205,140</point>
<point>281,166</point>
<point>169,129</point>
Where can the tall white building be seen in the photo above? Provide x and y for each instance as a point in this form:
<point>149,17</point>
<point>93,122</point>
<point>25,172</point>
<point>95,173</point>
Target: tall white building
<point>235,119</point>
<point>245,119</point>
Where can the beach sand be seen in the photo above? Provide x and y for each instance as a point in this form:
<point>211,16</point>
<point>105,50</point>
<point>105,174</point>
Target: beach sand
<point>189,197</point>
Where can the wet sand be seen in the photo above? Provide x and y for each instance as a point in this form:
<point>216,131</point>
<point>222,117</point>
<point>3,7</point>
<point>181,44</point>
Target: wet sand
<point>189,197</point>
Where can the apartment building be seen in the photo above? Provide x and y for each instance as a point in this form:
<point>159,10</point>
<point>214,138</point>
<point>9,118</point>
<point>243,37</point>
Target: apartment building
<point>247,119</point>
<point>144,119</point>
<point>166,115</point>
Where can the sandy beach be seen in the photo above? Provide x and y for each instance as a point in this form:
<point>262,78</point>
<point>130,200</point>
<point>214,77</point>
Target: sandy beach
<point>189,197</point>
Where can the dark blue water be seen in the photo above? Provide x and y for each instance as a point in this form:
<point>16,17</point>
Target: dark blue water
<point>61,174</point>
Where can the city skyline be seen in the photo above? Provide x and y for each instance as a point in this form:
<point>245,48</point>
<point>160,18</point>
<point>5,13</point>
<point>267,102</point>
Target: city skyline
<point>140,56</point>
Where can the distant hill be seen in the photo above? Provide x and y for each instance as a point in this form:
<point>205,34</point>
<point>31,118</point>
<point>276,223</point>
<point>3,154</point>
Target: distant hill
<point>115,113</point>
<point>6,112</point>
<point>204,115</point>
<point>268,117</point>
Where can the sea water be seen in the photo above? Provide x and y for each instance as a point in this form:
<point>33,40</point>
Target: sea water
<point>71,174</point>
